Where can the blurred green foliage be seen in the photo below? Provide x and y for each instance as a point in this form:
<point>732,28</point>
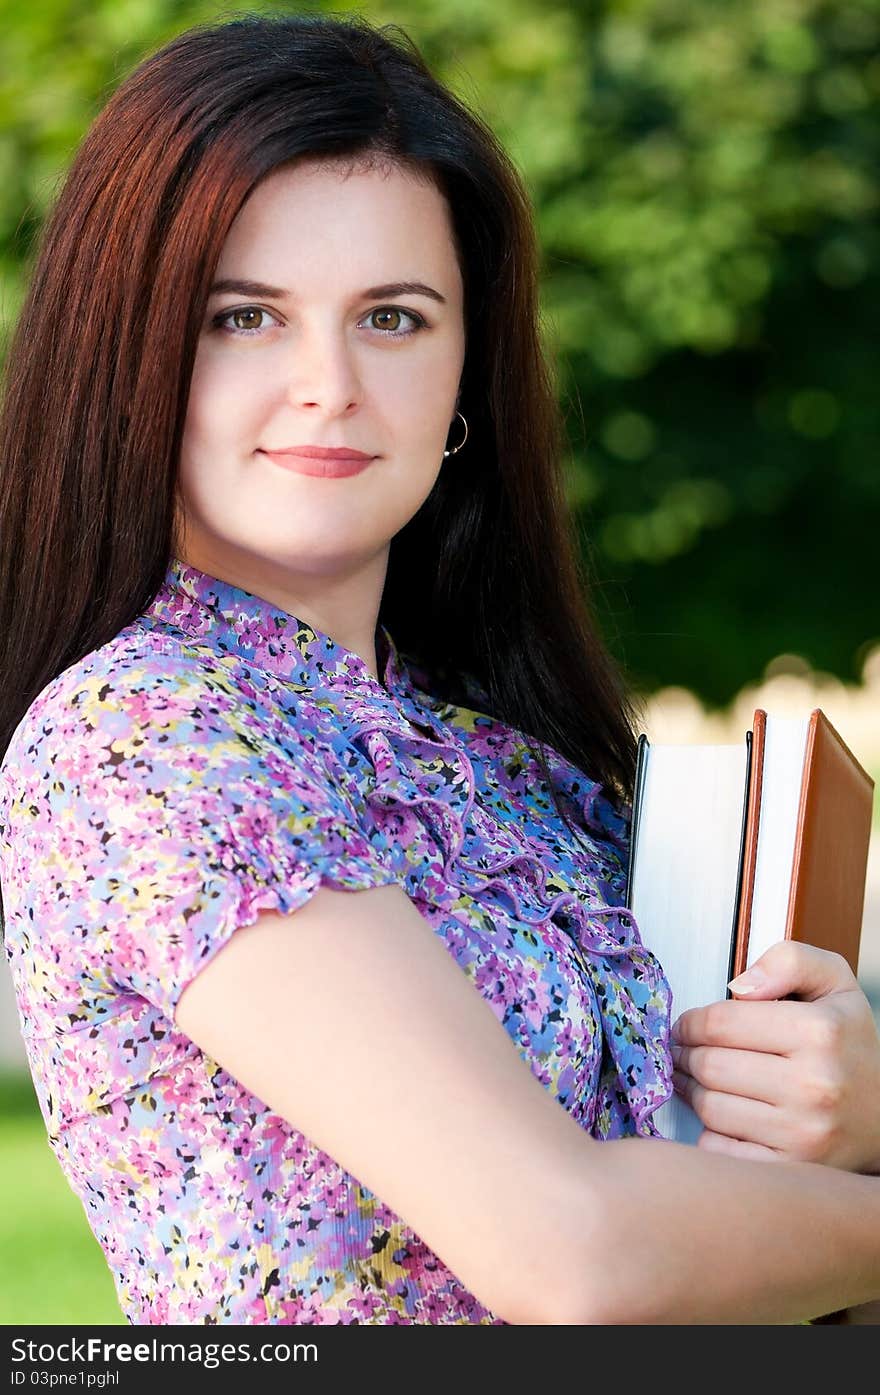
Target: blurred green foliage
<point>705,182</point>
<point>53,1270</point>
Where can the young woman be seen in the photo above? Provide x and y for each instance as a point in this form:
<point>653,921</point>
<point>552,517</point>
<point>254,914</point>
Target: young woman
<point>316,771</point>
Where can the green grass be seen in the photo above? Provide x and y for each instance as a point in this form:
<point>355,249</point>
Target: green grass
<point>53,1270</point>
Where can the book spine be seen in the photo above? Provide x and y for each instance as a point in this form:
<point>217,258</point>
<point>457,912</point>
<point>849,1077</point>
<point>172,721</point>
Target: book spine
<point>750,855</point>
<point>638,792</point>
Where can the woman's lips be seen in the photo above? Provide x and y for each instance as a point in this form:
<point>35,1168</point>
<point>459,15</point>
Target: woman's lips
<point>330,467</point>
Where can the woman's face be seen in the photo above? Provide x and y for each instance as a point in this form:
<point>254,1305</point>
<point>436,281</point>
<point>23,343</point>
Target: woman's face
<point>314,357</point>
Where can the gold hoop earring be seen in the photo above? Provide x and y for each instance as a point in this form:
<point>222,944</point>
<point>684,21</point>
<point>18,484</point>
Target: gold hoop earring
<point>458,447</point>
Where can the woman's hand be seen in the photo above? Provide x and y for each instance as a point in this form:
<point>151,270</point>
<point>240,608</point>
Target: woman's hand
<point>790,1081</point>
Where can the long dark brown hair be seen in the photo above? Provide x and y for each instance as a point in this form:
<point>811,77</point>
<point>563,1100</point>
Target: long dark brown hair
<point>486,585</point>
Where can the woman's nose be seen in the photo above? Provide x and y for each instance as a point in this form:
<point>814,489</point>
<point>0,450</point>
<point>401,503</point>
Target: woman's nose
<point>323,372</point>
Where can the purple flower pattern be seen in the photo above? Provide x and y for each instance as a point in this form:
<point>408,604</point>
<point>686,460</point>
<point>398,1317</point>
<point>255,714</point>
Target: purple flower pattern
<point>219,757</point>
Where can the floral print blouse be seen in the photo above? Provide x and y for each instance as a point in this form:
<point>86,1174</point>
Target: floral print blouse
<point>220,757</point>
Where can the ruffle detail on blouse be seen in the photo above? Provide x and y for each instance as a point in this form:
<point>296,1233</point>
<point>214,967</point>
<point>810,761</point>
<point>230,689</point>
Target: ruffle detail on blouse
<point>434,778</point>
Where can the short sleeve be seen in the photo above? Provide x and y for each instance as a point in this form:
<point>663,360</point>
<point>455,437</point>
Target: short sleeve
<point>148,812</point>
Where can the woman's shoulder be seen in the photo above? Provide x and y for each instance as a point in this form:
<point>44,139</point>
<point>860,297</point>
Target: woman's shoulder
<point>143,695</point>
<point>132,662</point>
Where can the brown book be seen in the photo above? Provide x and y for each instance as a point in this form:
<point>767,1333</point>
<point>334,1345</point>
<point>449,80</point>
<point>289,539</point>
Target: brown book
<point>735,847</point>
<point>829,866</point>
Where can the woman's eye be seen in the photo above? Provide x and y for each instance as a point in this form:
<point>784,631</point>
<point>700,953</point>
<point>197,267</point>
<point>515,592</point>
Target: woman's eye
<point>245,312</point>
<point>394,311</point>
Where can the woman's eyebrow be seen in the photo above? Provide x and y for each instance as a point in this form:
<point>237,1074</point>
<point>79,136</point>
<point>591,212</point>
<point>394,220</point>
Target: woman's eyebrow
<point>238,287</point>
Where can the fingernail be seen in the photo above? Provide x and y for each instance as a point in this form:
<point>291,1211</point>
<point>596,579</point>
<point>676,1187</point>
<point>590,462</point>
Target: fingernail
<point>749,981</point>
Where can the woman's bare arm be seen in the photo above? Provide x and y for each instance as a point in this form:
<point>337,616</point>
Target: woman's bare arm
<point>352,1020</point>
<point>689,1236</point>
